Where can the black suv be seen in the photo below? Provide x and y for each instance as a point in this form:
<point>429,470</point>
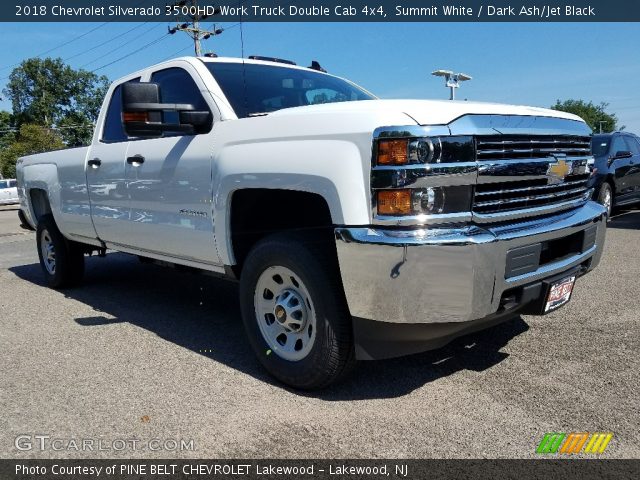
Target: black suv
<point>617,169</point>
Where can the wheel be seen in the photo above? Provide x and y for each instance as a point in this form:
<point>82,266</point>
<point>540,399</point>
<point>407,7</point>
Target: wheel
<point>605,198</point>
<point>295,312</point>
<point>62,261</point>
<point>23,220</point>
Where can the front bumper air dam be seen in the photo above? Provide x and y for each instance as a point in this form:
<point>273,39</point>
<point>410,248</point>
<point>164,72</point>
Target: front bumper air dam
<point>414,290</point>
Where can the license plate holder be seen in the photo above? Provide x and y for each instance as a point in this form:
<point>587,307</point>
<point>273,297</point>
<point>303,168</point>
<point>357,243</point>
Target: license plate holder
<point>559,293</point>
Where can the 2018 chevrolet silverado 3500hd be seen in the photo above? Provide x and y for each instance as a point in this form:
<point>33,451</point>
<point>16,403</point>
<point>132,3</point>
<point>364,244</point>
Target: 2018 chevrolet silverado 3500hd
<point>358,228</point>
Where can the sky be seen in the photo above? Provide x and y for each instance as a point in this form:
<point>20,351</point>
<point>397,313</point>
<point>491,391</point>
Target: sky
<point>519,63</point>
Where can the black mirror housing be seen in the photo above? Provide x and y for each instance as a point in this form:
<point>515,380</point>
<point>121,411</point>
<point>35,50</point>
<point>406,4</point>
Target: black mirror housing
<point>142,113</point>
<point>136,95</point>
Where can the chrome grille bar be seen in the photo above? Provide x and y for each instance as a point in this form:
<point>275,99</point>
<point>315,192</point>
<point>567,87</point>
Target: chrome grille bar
<point>496,147</point>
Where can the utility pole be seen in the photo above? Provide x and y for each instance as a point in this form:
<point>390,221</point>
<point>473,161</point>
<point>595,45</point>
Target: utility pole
<point>452,80</point>
<point>188,18</point>
<point>601,122</point>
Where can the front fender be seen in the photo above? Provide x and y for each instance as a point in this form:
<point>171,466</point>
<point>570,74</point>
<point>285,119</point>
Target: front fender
<point>332,169</point>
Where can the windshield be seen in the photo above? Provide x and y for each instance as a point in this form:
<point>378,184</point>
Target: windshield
<point>4,184</point>
<point>270,88</point>
<point>600,145</point>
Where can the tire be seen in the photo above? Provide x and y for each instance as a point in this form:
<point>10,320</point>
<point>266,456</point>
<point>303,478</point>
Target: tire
<point>605,198</point>
<point>23,220</point>
<point>307,311</point>
<point>62,260</point>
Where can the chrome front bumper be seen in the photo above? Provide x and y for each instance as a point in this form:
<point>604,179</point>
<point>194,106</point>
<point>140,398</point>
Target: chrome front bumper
<point>444,275</point>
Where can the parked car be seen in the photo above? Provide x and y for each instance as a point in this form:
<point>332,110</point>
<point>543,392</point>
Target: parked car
<point>616,176</point>
<point>358,228</point>
<point>9,192</point>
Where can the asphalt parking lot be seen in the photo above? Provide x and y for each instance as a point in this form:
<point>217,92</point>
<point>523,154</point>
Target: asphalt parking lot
<point>144,352</point>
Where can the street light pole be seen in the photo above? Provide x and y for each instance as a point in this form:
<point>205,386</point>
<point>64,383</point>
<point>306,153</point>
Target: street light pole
<point>452,80</point>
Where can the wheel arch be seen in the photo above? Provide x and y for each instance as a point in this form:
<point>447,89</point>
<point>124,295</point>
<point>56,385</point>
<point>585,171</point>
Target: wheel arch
<point>281,210</point>
<point>40,204</point>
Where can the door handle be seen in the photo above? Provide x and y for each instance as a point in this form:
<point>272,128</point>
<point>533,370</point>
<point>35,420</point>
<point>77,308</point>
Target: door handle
<point>135,160</point>
<point>94,163</point>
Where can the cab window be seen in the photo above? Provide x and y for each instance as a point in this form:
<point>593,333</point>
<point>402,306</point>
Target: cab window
<point>618,145</point>
<point>177,86</point>
<point>113,130</point>
<point>633,145</point>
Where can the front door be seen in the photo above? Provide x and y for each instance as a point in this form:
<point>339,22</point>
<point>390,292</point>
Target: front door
<point>622,167</point>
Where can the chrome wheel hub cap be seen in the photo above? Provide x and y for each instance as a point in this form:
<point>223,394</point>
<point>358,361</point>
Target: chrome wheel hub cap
<point>285,313</point>
<point>607,201</point>
<point>48,252</point>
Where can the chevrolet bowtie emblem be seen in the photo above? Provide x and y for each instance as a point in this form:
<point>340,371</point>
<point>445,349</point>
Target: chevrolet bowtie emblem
<point>557,171</point>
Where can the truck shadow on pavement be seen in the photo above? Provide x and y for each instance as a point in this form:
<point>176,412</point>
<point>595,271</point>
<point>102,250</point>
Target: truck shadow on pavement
<point>202,314</point>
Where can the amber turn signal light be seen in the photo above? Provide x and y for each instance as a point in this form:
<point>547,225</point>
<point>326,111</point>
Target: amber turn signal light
<point>135,116</point>
<point>392,152</point>
<point>394,202</point>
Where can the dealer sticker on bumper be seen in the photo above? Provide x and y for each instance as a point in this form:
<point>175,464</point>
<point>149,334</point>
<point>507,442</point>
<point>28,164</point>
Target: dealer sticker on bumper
<point>559,293</point>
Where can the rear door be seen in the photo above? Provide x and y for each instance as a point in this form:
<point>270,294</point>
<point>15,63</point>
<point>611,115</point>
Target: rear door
<point>105,170</point>
<point>169,179</point>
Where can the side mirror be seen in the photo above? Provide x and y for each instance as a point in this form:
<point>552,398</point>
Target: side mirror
<point>143,113</point>
<point>622,154</point>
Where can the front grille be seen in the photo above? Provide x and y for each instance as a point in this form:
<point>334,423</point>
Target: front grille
<point>519,195</point>
<point>522,175</point>
<point>531,146</point>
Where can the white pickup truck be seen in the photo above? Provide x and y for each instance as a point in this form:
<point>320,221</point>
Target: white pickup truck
<point>358,228</point>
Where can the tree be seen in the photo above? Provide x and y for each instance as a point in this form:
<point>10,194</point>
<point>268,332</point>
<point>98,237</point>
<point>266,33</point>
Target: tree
<point>591,113</point>
<point>50,93</point>
<point>7,130</point>
<point>30,139</point>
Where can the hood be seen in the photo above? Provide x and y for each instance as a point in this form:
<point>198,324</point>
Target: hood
<point>427,112</point>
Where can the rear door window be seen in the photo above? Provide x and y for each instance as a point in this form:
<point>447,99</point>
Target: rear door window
<point>113,130</point>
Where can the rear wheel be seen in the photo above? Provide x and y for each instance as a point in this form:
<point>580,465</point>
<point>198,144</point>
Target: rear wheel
<point>294,311</point>
<point>605,198</point>
<point>62,260</point>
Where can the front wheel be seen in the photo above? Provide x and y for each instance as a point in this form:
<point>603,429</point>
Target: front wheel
<point>294,311</point>
<point>605,198</point>
<point>62,260</point>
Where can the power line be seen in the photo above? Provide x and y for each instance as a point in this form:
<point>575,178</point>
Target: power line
<point>122,45</point>
<point>85,125</point>
<point>61,45</point>
<point>104,43</point>
<point>145,46</point>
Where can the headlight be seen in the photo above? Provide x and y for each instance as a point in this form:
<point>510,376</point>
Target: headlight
<point>424,201</point>
<point>423,150</point>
